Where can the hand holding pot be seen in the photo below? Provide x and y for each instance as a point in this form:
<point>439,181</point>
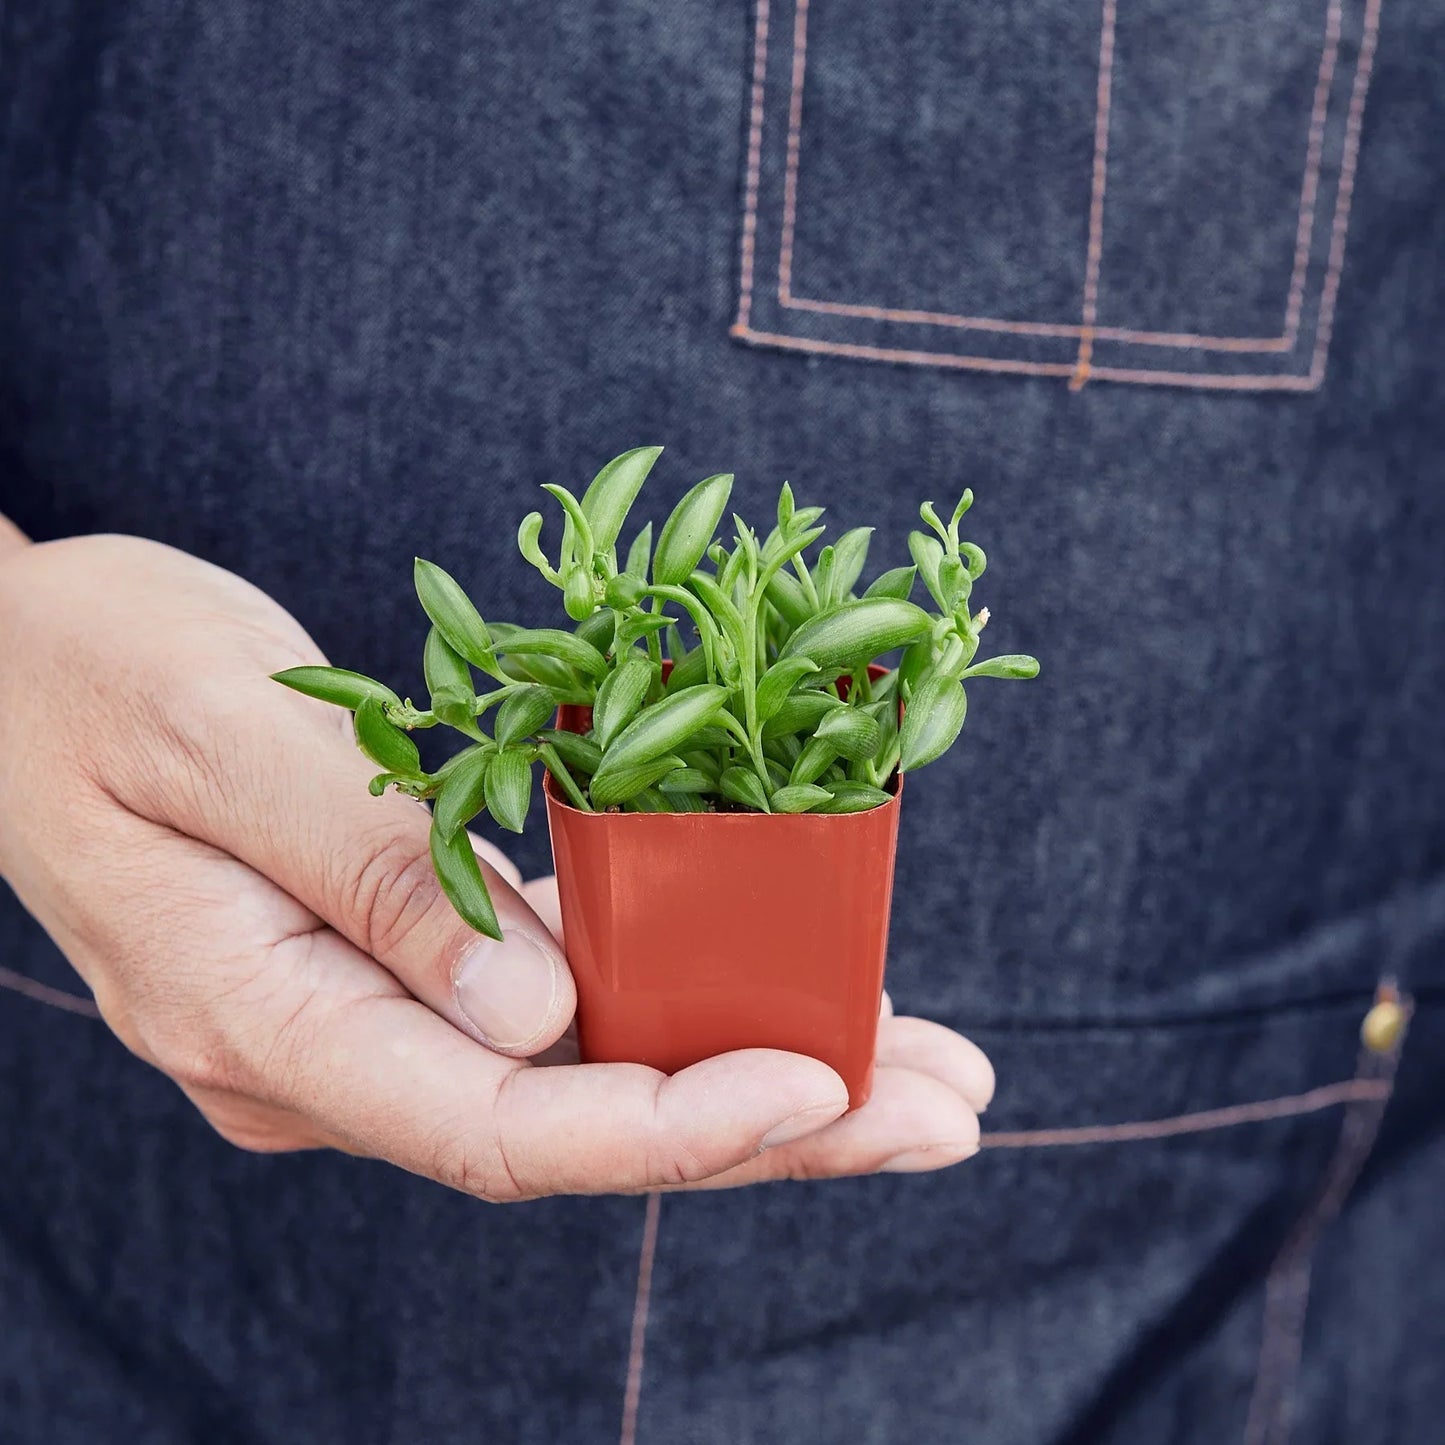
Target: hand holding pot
<point>273,939</point>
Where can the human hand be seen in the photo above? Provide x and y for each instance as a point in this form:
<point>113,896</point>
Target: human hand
<point>259,928</point>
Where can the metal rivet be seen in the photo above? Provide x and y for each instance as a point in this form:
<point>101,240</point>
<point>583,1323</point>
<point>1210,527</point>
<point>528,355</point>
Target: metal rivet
<point>1383,1025</point>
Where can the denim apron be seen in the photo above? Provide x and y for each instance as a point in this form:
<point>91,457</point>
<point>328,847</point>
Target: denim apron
<point>304,289</point>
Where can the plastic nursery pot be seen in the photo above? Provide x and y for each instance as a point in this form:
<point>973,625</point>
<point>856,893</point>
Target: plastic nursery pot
<point>693,934</point>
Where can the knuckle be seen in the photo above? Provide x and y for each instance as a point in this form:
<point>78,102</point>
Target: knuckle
<point>196,1066</point>
<point>181,748</point>
<point>674,1161</point>
<point>391,893</point>
<point>176,1041</point>
<point>167,756</point>
<point>804,1166</point>
<point>481,1172</point>
<point>273,1065</point>
<point>680,1165</point>
<point>478,1161</point>
<point>505,1182</point>
<point>249,1039</point>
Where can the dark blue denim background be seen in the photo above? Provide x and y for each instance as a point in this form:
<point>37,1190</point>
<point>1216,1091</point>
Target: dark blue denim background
<point>306,289</point>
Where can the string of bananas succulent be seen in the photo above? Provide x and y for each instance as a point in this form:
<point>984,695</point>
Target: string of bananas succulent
<point>721,676</point>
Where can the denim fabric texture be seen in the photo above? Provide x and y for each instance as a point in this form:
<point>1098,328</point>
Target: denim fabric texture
<point>305,289</point>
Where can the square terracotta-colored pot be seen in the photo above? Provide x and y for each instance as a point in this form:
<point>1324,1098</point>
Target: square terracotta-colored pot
<point>693,934</point>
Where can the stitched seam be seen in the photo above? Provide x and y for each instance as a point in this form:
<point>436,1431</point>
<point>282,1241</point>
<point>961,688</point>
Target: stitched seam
<point>1339,229</point>
<point>923,358</point>
<point>637,1349</point>
<point>1287,1286</point>
<point>1328,1095</point>
<point>1288,1106</point>
<point>755,164</point>
<point>1087,333</point>
<point>1309,191</point>
<point>1223,381</point>
<point>39,992</point>
<point>1041,328</point>
<point>795,143</point>
<point>1095,253</point>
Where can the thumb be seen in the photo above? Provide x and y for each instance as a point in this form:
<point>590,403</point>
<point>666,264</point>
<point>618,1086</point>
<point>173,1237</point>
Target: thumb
<point>363,865</point>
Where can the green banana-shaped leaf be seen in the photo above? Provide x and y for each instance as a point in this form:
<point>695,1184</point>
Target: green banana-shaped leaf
<point>385,743</point>
<point>523,713</point>
<point>509,787</point>
<point>1010,665</point>
<point>687,532</point>
<point>551,642</point>
<point>335,685</point>
<point>463,794</point>
<point>461,879</point>
<point>453,614</point>
<point>625,783</point>
<point>932,720</point>
<point>742,786</point>
<point>857,632</point>
<point>619,699</point>
<point>609,498</point>
<point>659,730</point>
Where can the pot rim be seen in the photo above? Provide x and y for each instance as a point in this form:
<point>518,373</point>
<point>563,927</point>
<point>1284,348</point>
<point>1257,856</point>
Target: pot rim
<point>894,789</point>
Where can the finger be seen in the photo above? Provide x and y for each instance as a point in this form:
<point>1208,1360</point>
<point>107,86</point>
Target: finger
<point>929,1048</point>
<point>301,815</point>
<point>393,1080</point>
<point>541,895</point>
<point>912,1123</point>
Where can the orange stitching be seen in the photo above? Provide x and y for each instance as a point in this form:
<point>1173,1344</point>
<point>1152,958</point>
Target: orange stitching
<point>42,993</point>
<point>1339,230</point>
<point>636,1356</point>
<point>1040,328</point>
<point>755,165</point>
<point>1094,255</point>
<point>795,142</point>
<point>1287,1288</point>
<point>1220,381</point>
<point>1294,302</point>
<point>923,358</point>
<point>1309,192</point>
<point>1327,1096</point>
<point>932,318</point>
<point>1281,381</point>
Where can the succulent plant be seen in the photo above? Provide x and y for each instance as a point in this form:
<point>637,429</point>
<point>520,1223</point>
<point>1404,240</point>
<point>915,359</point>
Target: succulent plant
<point>722,675</point>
